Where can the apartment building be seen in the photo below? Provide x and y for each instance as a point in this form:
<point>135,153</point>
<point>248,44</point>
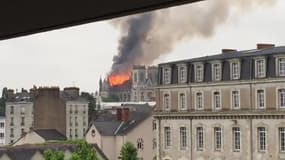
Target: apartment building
<point>2,130</point>
<point>226,106</point>
<point>46,108</point>
<point>19,117</point>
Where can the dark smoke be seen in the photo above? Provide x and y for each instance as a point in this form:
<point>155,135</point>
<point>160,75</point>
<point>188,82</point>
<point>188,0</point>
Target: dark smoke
<point>148,36</point>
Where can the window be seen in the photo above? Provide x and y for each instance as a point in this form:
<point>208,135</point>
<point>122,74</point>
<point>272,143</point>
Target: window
<point>84,121</point>
<point>281,97</point>
<point>22,110</point>
<point>183,138</point>
<point>281,67</point>
<point>167,137</point>
<point>260,99</point>
<point>12,110</point>
<point>183,74</point>
<point>76,109</point>
<point>236,139</point>
<point>216,70</point>
<point>76,123</point>
<point>217,101</point>
<point>261,139</point>
<point>12,121</point>
<point>12,132</point>
<point>76,133</point>
<point>166,102</point>
<point>166,75</point>
<point>260,68</point>
<point>282,139</point>
<point>218,138</point>
<point>182,101</point>
<point>22,121</point>
<point>22,131</point>
<point>2,125</point>
<point>140,144</point>
<point>235,70</point>
<point>199,101</point>
<point>154,144</point>
<point>70,121</point>
<point>135,77</point>
<point>153,125</point>
<point>70,133</point>
<point>235,100</point>
<point>200,139</point>
<point>199,73</point>
<point>1,135</point>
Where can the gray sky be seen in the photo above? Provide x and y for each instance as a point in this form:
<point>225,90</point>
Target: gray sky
<point>77,56</point>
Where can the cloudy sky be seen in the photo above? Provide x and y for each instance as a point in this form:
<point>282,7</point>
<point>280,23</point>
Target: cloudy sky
<point>78,56</point>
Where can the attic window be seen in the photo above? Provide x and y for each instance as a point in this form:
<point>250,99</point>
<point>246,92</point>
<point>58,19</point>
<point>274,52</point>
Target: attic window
<point>93,132</point>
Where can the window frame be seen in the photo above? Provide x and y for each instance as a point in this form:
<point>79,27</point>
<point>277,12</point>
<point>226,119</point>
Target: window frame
<point>182,76</point>
<point>277,62</point>
<point>217,71</point>
<point>183,138</point>
<point>261,139</point>
<point>166,71</point>
<point>180,101</point>
<point>214,100</point>
<point>279,98</point>
<point>234,76</point>
<point>236,146</point>
<point>218,139</point>
<point>196,101</point>
<point>167,137</point>
<point>200,138</point>
<point>233,99</point>
<point>165,95</point>
<point>258,73</point>
<point>199,77</point>
<point>257,98</point>
<point>280,139</point>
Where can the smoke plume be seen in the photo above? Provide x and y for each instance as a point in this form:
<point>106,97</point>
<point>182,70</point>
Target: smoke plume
<point>145,37</point>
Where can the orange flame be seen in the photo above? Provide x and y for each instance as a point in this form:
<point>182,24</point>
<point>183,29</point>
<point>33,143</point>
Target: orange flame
<point>118,79</point>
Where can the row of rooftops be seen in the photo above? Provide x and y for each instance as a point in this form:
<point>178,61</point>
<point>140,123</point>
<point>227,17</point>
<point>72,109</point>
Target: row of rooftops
<point>262,49</point>
<point>67,94</point>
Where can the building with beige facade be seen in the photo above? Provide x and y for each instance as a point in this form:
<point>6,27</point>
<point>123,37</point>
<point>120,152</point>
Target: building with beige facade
<point>46,108</point>
<point>114,127</point>
<point>226,106</point>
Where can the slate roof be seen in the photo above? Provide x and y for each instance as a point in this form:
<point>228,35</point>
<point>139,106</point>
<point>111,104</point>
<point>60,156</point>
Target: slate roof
<point>247,64</point>
<point>27,151</point>
<point>50,134</point>
<point>108,125</point>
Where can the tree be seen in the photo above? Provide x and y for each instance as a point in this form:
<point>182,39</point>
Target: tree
<point>128,152</point>
<point>84,152</point>
<point>57,155</point>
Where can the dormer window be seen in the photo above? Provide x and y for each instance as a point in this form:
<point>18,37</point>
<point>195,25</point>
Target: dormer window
<point>280,67</point>
<point>167,75</point>
<point>235,69</point>
<point>260,68</point>
<point>182,70</point>
<point>217,71</point>
<point>199,72</point>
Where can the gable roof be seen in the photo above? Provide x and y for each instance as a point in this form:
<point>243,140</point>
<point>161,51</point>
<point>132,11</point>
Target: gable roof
<point>108,125</point>
<point>50,134</point>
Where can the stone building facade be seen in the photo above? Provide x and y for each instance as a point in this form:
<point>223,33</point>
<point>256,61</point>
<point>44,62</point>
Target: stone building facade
<point>225,106</point>
<point>46,108</point>
<point>2,130</point>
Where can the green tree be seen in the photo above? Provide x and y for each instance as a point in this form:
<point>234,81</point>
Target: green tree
<point>128,152</point>
<point>84,152</point>
<point>57,155</point>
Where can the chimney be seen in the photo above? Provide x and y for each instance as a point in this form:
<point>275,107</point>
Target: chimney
<point>265,45</point>
<point>119,114</point>
<point>10,93</point>
<point>228,50</point>
<point>125,114</point>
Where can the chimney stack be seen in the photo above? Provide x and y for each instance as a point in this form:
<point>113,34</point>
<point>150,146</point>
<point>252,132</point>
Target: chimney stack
<point>119,114</point>
<point>125,114</point>
<point>265,45</point>
<point>228,50</point>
